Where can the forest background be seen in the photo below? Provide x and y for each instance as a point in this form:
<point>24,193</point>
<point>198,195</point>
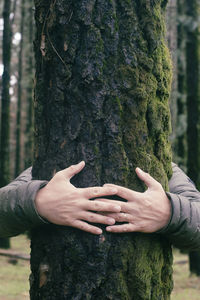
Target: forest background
<point>16,107</point>
<point>182,36</point>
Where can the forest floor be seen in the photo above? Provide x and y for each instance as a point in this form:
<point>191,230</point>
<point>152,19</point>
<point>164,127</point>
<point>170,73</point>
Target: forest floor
<point>14,278</point>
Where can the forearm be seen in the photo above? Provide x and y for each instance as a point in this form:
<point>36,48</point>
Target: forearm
<point>183,229</point>
<point>17,207</point>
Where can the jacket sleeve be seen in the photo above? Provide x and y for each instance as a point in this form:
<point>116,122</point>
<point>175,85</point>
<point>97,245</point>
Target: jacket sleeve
<point>183,229</point>
<point>17,206</point>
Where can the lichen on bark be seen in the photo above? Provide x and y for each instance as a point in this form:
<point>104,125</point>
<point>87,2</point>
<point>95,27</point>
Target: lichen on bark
<point>102,86</point>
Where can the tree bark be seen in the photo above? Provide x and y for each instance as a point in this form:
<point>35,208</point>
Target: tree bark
<point>5,97</point>
<point>181,132</point>
<point>19,93</point>
<point>102,87</point>
<point>171,22</point>
<point>29,86</point>
<point>5,106</point>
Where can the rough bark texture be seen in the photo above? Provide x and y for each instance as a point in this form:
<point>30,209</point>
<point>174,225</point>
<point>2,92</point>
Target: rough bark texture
<point>181,131</point>
<point>102,88</point>
<point>29,84</point>
<point>19,93</point>
<point>171,22</point>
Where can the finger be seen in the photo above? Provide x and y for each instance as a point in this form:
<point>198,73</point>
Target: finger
<point>86,227</point>
<point>94,192</point>
<point>97,205</point>
<point>122,228</point>
<point>116,203</point>
<point>119,217</point>
<point>96,218</point>
<point>148,179</point>
<point>125,193</point>
<point>72,170</point>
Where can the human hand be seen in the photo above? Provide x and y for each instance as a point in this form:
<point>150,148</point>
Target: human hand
<point>143,212</point>
<point>63,204</point>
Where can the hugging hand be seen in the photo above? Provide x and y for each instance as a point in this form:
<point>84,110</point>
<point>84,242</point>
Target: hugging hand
<point>143,212</point>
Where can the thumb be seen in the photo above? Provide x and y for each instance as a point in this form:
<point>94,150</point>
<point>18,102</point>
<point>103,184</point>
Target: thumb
<point>73,170</point>
<point>148,179</point>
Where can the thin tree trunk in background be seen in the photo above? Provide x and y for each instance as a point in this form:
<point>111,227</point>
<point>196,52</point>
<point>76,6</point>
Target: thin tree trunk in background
<point>5,98</point>
<point>193,104</point>
<point>29,88</point>
<point>102,88</point>
<point>19,94</point>
<point>5,106</point>
<point>171,20</point>
<point>193,90</point>
<point>14,12</point>
<point>181,132</point>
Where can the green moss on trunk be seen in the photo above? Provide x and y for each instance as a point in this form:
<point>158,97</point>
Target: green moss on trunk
<point>102,87</point>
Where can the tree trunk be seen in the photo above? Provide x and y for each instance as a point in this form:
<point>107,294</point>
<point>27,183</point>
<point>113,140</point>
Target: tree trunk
<point>29,86</point>
<point>194,261</point>
<point>171,21</point>
<point>5,98</point>
<point>5,106</point>
<point>181,132</point>
<point>193,104</point>
<point>102,88</point>
<point>193,90</point>
<point>19,93</point>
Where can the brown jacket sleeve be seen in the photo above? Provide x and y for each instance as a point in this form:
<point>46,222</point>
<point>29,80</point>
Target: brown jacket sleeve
<point>17,207</point>
<point>183,229</point>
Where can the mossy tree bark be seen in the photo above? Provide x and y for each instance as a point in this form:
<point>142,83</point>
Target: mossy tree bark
<point>193,104</point>
<point>171,22</point>
<point>102,87</point>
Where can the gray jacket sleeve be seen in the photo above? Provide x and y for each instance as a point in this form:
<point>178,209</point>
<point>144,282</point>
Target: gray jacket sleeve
<point>17,207</point>
<point>183,229</point>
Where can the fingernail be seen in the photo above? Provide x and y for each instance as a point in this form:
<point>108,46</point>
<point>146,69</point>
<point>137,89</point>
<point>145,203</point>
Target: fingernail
<point>140,170</point>
<point>111,221</point>
<point>108,229</point>
<point>99,231</point>
<point>113,190</point>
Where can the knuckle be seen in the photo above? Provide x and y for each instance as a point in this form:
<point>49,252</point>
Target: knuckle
<point>91,218</point>
<point>122,194</point>
<point>95,191</point>
<point>58,174</point>
<point>148,176</point>
<point>82,227</point>
<point>71,168</point>
<point>125,229</point>
<point>96,205</point>
<point>141,226</point>
<point>159,184</point>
